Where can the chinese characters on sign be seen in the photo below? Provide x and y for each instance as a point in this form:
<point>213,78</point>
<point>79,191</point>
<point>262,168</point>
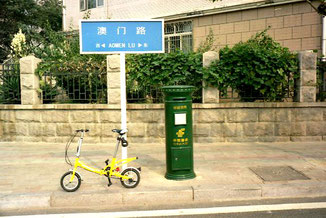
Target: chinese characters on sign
<point>101,30</point>
<point>122,36</point>
<point>122,30</point>
<point>180,107</point>
<point>141,31</point>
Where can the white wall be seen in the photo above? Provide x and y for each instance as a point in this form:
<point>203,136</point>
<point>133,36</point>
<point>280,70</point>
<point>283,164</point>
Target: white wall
<point>73,14</point>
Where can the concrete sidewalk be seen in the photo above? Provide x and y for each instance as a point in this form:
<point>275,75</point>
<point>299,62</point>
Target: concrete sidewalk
<point>30,175</point>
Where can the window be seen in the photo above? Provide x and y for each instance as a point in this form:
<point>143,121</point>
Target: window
<point>178,36</point>
<point>89,4</point>
<point>82,5</point>
<point>100,3</point>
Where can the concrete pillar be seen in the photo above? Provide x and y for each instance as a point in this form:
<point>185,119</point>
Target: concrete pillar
<point>306,84</point>
<point>113,79</point>
<point>210,94</point>
<point>29,81</point>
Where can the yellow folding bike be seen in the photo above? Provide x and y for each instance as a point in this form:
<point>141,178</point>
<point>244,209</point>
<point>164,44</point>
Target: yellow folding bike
<point>130,177</point>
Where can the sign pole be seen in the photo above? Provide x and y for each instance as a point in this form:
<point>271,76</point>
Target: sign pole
<point>121,37</point>
<point>124,150</point>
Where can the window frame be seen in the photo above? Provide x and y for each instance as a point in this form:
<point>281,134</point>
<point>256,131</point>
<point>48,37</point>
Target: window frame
<point>181,35</point>
<point>86,5</point>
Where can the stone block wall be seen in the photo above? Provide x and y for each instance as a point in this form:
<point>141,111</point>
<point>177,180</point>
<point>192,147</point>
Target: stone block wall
<point>224,122</point>
<point>296,26</point>
<point>260,124</point>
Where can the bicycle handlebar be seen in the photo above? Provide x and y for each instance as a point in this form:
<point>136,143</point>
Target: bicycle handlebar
<point>82,130</point>
<point>120,131</point>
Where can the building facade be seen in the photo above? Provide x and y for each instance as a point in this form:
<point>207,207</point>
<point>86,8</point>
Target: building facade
<point>292,23</point>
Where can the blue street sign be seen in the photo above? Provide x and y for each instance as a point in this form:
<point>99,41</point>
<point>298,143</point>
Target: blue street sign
<point>121,36</point>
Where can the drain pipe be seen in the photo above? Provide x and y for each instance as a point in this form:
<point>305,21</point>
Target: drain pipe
<point>323,43</point>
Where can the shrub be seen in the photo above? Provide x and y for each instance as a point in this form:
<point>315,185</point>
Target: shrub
<point>257,69</point>
<point>157,70</point>
<point>60,56</point>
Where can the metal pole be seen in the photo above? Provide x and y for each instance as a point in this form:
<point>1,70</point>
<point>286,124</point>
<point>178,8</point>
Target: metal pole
<point>124,151</point>
<point>323,42</point>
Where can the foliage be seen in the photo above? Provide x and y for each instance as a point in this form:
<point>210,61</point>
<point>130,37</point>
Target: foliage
<point>18,45</point>
<point>60,55</point>
<point>207,45</point>
<point>259,68</point>
<point>157,70</point>
<point>29,15</point>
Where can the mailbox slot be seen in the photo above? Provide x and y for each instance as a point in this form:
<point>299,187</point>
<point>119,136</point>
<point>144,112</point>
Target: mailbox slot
<point>179,98</point>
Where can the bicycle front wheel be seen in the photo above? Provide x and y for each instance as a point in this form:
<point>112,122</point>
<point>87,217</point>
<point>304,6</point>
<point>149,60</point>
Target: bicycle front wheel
<point>134,178</point>
<point>70,186</point>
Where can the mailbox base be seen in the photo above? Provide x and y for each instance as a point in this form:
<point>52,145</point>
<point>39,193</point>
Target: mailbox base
<point>183,176</point>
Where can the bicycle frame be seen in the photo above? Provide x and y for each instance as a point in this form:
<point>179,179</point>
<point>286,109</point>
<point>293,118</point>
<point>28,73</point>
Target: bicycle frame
<point>113,165</point>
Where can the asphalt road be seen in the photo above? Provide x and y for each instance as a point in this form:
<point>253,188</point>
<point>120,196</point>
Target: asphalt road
<point>299,207</point>
<point>315,213</point>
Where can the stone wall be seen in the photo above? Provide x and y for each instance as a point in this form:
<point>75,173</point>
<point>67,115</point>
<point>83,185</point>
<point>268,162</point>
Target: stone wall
<point>224,122</point>
<point>296,26</point>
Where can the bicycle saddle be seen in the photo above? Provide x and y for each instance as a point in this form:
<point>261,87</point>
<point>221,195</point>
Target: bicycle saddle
<point>120,131</point>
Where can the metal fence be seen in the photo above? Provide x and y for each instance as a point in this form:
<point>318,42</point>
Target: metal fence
<point>9,84</point>
<point>249,94</point>
<point>79,87</point>
<point>147,95</point>
<point>153,94</point>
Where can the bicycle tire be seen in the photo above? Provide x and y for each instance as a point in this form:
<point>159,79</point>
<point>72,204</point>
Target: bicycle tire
<point>132,182</point>
<point>76,182</point>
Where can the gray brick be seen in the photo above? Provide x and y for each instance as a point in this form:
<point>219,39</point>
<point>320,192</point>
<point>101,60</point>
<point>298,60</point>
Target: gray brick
<point>307,114</point>
<point>244,115</point>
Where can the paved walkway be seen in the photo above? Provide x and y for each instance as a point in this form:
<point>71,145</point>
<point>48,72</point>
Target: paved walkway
<point>30,175</point>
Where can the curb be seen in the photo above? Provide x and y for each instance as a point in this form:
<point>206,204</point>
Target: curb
<point>155,197</point>
<point>24,201</point>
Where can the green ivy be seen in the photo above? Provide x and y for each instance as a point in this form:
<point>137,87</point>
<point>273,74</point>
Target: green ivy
<point>257,69</point>
<point>157,70</point>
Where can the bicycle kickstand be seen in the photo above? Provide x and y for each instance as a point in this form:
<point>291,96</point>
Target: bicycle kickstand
<point>110,183</point>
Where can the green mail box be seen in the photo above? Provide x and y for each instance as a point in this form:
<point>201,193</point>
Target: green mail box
<point>178,132</point>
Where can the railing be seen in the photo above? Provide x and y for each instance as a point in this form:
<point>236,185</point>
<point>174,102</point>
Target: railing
<point>9,84</point>
<point>148,95</point>
<point>248,94</point>
<point>81,87</point>
<point>154,95</point>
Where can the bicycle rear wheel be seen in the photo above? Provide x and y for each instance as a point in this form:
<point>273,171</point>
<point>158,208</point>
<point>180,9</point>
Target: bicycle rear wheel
<point>134,178</point>
<point>70,186</point>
